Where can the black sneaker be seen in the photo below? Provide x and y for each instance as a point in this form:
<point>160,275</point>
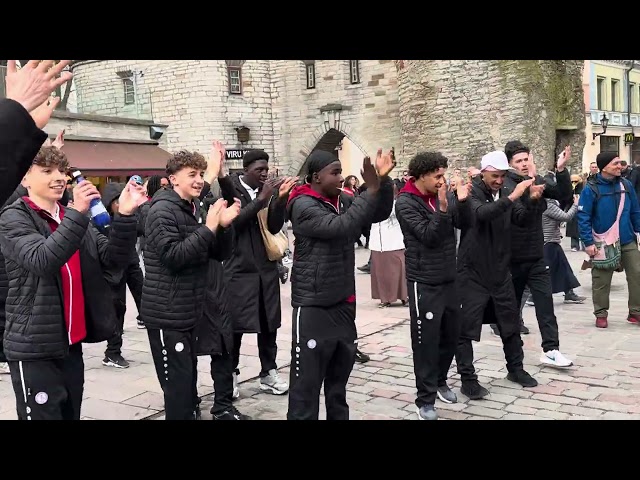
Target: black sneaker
<point>572,297</point>
<point>523,329</point>
<point>523,378</point>
<point>494,329</point>
<point>365,268</point>
<point>446,395</point>
<point>197,413</point>
<point>115,361</point>
<point>232,414</point>
<point>141,324</point>
<point>473,390</point>
<point>362,357</point>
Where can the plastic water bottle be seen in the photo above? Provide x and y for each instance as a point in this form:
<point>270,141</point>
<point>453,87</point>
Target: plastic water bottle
<point>98,213</point>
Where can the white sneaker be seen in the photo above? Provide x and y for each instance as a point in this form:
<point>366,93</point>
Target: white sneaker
<point>236,390</point>
<point>273,383</point>
<point>4,368</point>
<point>555,359</point>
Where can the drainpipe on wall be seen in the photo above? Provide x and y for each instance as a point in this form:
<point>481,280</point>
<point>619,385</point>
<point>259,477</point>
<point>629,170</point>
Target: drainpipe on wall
<point>628,74</point>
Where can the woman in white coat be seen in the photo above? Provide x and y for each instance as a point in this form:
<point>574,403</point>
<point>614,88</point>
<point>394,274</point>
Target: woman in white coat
<point>388,282</point>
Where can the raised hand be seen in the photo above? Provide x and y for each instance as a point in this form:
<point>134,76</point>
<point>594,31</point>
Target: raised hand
<point>532,167</point>
<point>463,190</point>
<point>229,214</point>
<point>521,188</point>
<point>287,185</point>
<point>536,191</point>
<point>59,141</point>
<point>269,187</point>
<point>563,158</point>
<point>32,85</point>
<point>83,193</point>
<point>442,197</point>
<point>213,214</point>
<point>132,196</point>
<point>385,162</point>
<point>369,175</point>
<point>215,165</point>
<point>42,114</point>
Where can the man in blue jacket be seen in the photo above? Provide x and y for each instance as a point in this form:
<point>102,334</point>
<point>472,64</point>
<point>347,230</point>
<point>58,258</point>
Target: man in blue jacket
<point>599,213</point>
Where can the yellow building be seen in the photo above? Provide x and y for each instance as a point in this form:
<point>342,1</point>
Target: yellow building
<point>612,92</point>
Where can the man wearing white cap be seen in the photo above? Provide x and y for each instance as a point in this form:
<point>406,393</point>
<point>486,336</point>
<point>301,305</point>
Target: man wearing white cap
<point>484,274</point>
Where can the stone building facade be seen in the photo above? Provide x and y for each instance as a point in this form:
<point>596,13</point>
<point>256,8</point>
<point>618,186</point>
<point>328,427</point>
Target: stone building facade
<point>462,108</point>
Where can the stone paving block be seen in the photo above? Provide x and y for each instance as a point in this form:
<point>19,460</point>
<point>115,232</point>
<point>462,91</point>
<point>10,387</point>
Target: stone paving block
<point>556,399</point>
<point>105,410</point>
<point>148,400</point>
<point>484,412</point>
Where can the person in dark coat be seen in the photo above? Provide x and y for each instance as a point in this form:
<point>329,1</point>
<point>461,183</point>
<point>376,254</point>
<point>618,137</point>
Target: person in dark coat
<point>572,225</point>
<point>428,216</point>
<point>484,278</point>
<point>528,266</point>
<point>118,280</point>
<point>177,252</point>
<point>58,297</point>
<point>253,280</point>
<point>324,336</point>
<point>214,333</point>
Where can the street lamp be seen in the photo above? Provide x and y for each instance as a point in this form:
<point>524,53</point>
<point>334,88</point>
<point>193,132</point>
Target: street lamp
<point>604,121</point>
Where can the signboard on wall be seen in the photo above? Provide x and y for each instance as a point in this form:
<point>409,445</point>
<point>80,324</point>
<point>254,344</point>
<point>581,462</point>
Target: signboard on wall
<point>629,138</point>
<point>236,153</point>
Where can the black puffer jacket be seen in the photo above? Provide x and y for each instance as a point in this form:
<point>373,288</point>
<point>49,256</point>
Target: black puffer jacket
<point>323,271</point>
<point>176,258</point>
<point>527,242</point>
<point>35,327</point>
<point>4,280</point>
<point>429,236</point>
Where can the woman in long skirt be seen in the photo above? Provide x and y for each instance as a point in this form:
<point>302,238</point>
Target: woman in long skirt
<point>388,282</point>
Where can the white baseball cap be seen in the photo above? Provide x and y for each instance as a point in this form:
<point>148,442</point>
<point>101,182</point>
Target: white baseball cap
<point>495,161</point>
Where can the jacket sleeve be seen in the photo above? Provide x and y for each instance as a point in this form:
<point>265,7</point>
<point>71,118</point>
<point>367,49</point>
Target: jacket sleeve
<point>24,244</point>
<point>384,201</point>
<point>635,208</point>
<point>460,212</point>
<point>116,249</point>
<point>17,193</point>
<point>487,211</point>
<point>249,212</point>
<point>20,140</point>
<point>227,191</point>
<point>163,234</point>
<point>142,218</point>
<point>585,213</point>
<point>562,190</point>
<point>276,214</point>
<point>310,219</point>
<point>222,248</point>
<point>554,212</point>
<point>522,214</point>
<point>430,231</point>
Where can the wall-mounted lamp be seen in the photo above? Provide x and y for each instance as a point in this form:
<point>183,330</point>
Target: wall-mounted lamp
<point>604,121</point>
<point>243,134</point>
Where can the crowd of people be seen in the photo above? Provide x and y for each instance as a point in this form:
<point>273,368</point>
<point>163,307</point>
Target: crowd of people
<point>202,252</point>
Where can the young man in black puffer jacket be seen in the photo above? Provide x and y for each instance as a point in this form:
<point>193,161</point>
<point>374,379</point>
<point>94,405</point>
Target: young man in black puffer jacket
<point>58,297</point>
<point>528,267</point>
<point>176,255</point>
<point>323,280</point>
<point>428,216</point>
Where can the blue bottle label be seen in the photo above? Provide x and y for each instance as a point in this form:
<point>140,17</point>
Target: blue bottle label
<point>97,209</point>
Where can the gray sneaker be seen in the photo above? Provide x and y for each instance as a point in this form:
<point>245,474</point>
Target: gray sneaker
<point>427,412</point>
<point>446,395</point>
<point>273,383</point>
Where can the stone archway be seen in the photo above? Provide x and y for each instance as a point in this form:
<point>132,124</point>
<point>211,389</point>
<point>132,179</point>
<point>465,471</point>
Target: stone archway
<point>327,136</point>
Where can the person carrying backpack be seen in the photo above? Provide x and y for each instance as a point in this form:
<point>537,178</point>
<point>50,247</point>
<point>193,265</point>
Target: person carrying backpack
<point>609,225</point>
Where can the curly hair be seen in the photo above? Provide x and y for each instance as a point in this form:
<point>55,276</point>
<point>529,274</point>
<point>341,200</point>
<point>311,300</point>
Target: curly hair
<point>50,156</point>
<point>185,159</point>
<point>427,162</point>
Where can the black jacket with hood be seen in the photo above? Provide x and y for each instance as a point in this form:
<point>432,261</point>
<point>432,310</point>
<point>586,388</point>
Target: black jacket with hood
<point>176,258</point>
<point>323,273</point>
<point>429,235</point>
<point>34,256</point>
<point>527,241</point>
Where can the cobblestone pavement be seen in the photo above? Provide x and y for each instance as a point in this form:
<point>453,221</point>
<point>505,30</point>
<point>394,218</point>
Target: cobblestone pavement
<point>603,384</point>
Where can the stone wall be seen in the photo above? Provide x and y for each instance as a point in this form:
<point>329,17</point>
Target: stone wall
<point>192,97</point>
<point>466,108</point>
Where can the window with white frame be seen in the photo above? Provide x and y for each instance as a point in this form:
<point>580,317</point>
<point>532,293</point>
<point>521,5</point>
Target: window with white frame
<point>354,71</point>
<point>311,75</point>
<point>235,80</point>
<point>129,91</point>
